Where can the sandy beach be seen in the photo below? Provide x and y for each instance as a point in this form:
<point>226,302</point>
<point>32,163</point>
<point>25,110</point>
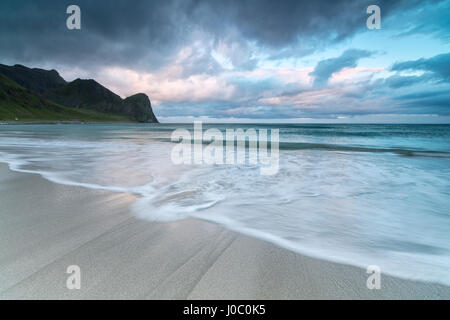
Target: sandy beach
<point>45,227</point>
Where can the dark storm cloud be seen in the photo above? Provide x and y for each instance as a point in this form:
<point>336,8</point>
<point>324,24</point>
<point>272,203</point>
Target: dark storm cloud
<point>325,68</point>
<point>148,34</point>
<point>430,95</point>
<point>113,32</point>
<point>278,24</point>
<point>427,101</point>
<point>397,81</point>
<point>438,66</point>
<point>435,69</point>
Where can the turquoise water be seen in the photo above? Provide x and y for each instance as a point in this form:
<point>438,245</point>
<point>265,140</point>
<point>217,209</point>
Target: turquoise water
<point>357,194</point>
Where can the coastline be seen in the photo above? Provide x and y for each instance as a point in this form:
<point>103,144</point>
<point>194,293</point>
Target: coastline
<point>45,227</point>
<point>70,122</point>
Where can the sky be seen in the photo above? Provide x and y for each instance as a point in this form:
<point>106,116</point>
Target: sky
<point>247,61</point>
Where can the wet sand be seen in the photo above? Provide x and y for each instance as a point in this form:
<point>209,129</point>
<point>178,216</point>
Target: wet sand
<point>46,227</point>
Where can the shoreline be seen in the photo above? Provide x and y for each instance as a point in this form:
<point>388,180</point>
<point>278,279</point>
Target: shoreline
<point>45,227</point>
<point>216,123</point>
<point>70,122</point>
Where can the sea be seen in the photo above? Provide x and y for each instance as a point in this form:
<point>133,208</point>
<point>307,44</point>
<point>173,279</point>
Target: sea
<point>356,194</point>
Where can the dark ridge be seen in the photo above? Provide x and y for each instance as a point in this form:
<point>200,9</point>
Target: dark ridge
<point>36,80</point>
<point>79,94</point>
<point>18,104</point>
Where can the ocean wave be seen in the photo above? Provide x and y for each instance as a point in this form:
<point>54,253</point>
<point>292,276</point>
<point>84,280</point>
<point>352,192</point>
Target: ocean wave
<point>289,145</point>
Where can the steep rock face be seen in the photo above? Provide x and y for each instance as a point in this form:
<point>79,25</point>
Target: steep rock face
<point>140,108</point>
<point>87,94</point>
<point>36,80</point>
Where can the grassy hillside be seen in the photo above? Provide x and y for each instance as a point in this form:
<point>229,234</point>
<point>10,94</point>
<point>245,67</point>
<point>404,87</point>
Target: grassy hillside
<point>16,102</point>
<point>36,80</point>
<point>90,95</point>
<point>43,95</point>
<point>86,94</point>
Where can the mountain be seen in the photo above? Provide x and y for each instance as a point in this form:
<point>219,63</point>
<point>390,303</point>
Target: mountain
<point>36,80</point>
<point>140,107</point>
<point>19,103</point>
<point>79,94</point>
<point>87,94</point>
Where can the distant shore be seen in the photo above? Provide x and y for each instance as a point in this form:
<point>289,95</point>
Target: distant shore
<point>47,227</point>
<point>10,123</point>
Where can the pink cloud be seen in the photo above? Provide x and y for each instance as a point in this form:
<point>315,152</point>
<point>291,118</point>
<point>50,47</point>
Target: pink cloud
<point>352,74</point>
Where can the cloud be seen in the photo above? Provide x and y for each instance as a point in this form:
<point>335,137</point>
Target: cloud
<point>435,69</point>
<point>397,81</point>
<point>431,20</point>
<point>326,68</point>
<point>236,59</point>
<point>438,66</point>
<point>167,85</point>
<point>277,93</point>
<point>148,35</point>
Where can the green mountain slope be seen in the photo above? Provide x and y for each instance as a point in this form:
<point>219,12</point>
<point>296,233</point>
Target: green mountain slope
<point>89,94</point>
<point>18,103</point>
<point>36,80</point>
<point>42,90</point>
